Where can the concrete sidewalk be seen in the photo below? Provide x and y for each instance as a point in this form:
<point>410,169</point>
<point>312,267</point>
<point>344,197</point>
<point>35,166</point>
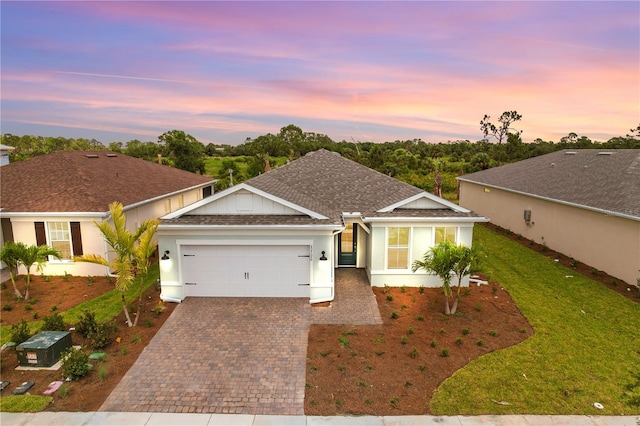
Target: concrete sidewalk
<point>178,419</point>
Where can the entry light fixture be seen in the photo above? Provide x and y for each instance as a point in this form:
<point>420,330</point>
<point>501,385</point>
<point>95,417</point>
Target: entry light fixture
<point>165,256</point>
<point>323,257</point>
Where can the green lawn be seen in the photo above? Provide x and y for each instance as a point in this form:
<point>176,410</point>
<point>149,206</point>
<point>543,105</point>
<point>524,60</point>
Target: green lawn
<point>213,164</point>
<point>585,346</point>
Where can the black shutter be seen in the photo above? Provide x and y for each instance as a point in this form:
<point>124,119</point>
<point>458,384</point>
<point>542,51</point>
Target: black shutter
<point>41,235</point>
<point>76,239</point>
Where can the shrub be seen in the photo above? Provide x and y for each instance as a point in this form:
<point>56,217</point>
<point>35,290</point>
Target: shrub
<point>414,353</point>
<point>459,341</point>
<point>20,332</point>
<point>75,363</point>
<point>421,289</point>
<point>433,343</point>
<point>344,340</point>
<point>420,318</point>
<point>394,315</point>
<point>410,330</point>
<point>444,353</point>
<point>493,333</point>
<point>404,339</point>
<point>100,336</point>
<point>403,288</point>
<point>86,322</point>
<point>389,297</point>
<point>28,307</point>
<point>480,342</point>
<point>465,331</point>
<point>7,307</point>
<point>53,322</point>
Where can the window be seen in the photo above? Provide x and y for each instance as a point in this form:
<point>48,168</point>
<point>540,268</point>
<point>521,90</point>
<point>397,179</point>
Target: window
<point>446,233</point>
<point>397,248</point>
<point>62,236</point>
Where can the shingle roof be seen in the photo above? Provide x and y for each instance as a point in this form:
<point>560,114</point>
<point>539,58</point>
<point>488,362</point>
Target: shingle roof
<point>330,184</point>
<point>607,180</point>
<point>87,181</point>
<point>243,220</point>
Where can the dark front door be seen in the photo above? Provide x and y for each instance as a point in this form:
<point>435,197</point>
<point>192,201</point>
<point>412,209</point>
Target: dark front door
<point>347,246</point>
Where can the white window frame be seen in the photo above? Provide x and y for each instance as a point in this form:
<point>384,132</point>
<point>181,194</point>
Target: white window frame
<point>387,247</point>
<point>50,240</point>
<point>457,234</point>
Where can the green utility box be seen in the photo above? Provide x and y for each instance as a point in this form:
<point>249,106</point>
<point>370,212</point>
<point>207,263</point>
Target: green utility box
<point>43,349</point>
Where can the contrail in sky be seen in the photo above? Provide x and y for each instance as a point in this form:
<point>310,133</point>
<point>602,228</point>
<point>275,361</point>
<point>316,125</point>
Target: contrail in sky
<point>127,77</point>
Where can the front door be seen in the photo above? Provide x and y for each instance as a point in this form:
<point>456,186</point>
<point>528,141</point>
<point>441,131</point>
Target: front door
<point>347,246</point>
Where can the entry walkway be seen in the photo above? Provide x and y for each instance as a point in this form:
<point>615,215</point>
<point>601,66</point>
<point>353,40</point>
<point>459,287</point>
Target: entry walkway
<point>354,301</point>
<point>157,419</point>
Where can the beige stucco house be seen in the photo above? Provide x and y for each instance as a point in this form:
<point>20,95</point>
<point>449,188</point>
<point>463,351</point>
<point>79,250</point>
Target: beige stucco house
<point>54,199</point>
<point>583,203</point>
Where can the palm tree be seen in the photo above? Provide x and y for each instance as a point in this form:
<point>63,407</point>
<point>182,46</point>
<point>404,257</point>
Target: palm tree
<point>10,255</point>
<point>466,259</point>
<point>132,253</point>
<point>439,261</point>
<point>35,255</point>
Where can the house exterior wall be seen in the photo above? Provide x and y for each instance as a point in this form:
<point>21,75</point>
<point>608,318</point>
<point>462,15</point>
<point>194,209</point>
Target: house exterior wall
<point>244,202</point>
<point>322,279</point>
<point>92,240</point>
<point>420,241</point>
<point>608,243</point>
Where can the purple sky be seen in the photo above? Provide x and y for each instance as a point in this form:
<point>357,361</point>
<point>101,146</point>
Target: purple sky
<point>363,71</point>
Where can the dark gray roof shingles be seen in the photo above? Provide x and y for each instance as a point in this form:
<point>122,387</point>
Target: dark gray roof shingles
<point>587,177</point>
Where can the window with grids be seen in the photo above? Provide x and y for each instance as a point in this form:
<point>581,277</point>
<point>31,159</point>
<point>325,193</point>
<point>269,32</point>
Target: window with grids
<point>60,238</point>
<point>446,233</point>
<point>397,248</point>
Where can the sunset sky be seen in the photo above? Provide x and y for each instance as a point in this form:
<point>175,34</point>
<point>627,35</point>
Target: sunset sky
<point>361,71</point>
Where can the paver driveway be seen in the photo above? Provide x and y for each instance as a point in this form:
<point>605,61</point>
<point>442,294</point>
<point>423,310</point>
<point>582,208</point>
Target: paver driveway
<point>222,355</point>
<point>237,355</point>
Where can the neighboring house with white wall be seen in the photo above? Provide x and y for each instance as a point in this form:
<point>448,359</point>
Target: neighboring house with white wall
<point>582,203</point>
<point>281,234</point>
<point>4,154</point>
<point>54,199</point>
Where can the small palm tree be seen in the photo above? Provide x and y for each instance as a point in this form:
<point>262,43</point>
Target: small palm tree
<point>447,260</point>
<point>132,253</point>
<point>10,255</point>
<point>35,255</point>
<point>439,261</point>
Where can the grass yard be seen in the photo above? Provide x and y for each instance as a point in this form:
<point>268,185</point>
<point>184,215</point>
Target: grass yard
<point>214,164</point>
<point>585,348</point>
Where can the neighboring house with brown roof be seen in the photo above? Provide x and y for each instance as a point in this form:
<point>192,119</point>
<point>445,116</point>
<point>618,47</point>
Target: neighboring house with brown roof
<point>281,234</point>
<point>4,154</point>
<point>54,199</point>
<point>583,203</point>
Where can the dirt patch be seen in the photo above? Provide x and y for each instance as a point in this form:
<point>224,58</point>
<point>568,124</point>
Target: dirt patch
<point>395,368</point>
<point>88,393</point>
<point>629,291</point>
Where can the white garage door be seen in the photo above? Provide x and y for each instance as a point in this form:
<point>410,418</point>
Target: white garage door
<point>246,271</point>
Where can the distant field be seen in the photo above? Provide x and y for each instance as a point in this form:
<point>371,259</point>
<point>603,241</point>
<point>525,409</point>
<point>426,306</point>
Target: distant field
<point>214,164</point>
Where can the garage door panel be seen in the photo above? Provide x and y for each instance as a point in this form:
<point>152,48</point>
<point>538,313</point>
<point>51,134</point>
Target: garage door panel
<point>246,271</point>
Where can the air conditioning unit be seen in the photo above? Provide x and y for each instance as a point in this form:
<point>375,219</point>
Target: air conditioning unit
<point>527,216</point>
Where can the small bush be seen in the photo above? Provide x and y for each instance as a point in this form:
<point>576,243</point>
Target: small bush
<point>403,288</point>
<point>54,308</point>
<point>343,340</point>
<point>459,341</point>
<point>75,363</point>
<point>478,307</point>
<point>444,353</point>
<point>420,318</point>
<point>466,292</point>
<point>493,333</point>
<point>7,307</point>
<point>414,353</point>
<point>410,330</point>
<point>100,336</point>
<point>341,368</point>
<point>465,331</point>
<point>394,315</point>
<point>53,322</point>
<point>523,330</point>
<point>421,289</point>
<point>389,297</point>
<point>422,367</point>
<point>443,331</point>
<point>433,343</point>
<point>63,391</point>
<point>148,323</point>
<point>36,315</point>
<point>394,402</point>
<point>480,342</point>
<point>404,339</point>
<point>86,322</point>
<point>494,289</point>
<point>102,373</point>
<point>324,353</point>
<point>136,338</point>
<point>379,353</point>
<point>65,276</point>
<point>20,332</point>
<point>28,307</point>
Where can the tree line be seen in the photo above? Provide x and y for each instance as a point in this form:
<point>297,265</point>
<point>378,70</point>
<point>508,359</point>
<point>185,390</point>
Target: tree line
<point>430,166</point>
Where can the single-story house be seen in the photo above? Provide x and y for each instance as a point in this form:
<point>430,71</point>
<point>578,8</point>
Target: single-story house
<point>54,199</point>
<point>583,203</point>
<point>281,234</point>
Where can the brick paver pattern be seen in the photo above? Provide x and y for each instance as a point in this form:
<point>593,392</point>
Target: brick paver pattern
<point>236,355</point>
